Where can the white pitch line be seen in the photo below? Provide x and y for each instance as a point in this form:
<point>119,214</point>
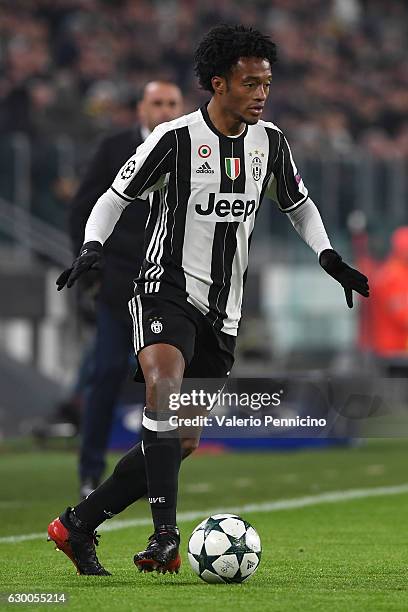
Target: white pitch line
<point>272,506</point>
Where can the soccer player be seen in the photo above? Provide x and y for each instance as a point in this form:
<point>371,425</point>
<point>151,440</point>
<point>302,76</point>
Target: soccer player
<point>212,169</point>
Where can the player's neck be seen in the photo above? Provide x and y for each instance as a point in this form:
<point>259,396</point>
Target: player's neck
<point>225,123</point>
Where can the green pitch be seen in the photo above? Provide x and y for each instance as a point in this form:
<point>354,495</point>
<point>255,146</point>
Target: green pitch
<point>323,553</point>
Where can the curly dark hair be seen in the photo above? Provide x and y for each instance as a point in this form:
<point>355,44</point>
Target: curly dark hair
<point>223,45</point>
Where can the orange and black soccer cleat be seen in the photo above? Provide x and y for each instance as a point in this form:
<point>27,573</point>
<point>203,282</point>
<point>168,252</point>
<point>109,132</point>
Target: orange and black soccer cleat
<point>78,542</point>
<point>162,552</point>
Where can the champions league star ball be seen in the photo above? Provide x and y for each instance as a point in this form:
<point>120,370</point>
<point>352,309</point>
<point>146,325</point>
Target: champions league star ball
<point>224,548</point>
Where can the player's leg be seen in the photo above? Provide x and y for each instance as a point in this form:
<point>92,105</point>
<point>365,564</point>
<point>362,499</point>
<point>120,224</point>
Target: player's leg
<point>213,359</point>
<point>74,534</point>
<point>128,482</point>
<point>164,335</point>
<point>208,371</point>
<point>126,485</point>
<point>111,364</point>
<point>163,369</point>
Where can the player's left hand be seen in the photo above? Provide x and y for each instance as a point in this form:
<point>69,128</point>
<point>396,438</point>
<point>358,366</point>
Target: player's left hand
<point>90,257</point>
<point>350,279</point>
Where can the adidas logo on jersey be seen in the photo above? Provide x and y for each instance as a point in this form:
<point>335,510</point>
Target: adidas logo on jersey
<point>205,168</point>
<point>227,210</point>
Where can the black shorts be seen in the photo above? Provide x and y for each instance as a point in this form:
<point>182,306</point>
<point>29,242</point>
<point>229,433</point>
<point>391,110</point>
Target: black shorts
<point>207,352</point>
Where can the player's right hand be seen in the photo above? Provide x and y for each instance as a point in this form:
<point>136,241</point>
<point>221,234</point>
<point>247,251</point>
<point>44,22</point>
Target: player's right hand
<point>90,257</point>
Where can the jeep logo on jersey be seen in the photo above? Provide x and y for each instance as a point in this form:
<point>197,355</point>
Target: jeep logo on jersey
<point>227,210</point>
<point>128,170</point>
<point>256,167</point>
<point>232,167</point>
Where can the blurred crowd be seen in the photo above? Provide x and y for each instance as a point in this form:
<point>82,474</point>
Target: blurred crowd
<point>76,67</point>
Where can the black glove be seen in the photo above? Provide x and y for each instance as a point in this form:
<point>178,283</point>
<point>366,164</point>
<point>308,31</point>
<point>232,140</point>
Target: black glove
<point>90,257</point>
<point>350,279</point>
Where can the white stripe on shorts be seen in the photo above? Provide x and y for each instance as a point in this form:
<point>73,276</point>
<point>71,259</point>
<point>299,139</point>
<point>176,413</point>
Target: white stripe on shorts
<point>140,319</point>
<point>132,310</point>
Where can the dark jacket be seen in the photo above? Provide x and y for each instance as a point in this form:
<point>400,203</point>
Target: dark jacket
<point>124,248</point>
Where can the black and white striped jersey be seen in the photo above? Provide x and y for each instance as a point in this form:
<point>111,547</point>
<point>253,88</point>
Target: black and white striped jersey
<point>208,190</point>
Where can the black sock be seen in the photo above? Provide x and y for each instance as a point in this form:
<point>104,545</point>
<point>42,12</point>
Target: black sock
<point>162,453</point>
<point>126,485</point>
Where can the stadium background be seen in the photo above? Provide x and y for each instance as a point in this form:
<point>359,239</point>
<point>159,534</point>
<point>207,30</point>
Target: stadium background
<point>70,72</point>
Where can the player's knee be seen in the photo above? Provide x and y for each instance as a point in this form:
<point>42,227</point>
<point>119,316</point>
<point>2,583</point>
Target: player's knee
<point>188,446</point>
<point>160,389</point>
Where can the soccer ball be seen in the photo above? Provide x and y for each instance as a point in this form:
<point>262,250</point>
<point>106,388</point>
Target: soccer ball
<point>224,548</point>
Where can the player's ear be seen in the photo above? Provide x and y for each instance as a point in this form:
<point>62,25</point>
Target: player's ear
<point>219,85</point>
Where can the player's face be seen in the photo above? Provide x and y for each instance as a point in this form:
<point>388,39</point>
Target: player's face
<point>161,102</point>
<point>247,89</point>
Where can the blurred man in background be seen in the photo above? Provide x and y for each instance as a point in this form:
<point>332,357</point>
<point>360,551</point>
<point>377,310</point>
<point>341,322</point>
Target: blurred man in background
<point>368,263</point>
<point>390,307</point>
<point>113,286</point>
